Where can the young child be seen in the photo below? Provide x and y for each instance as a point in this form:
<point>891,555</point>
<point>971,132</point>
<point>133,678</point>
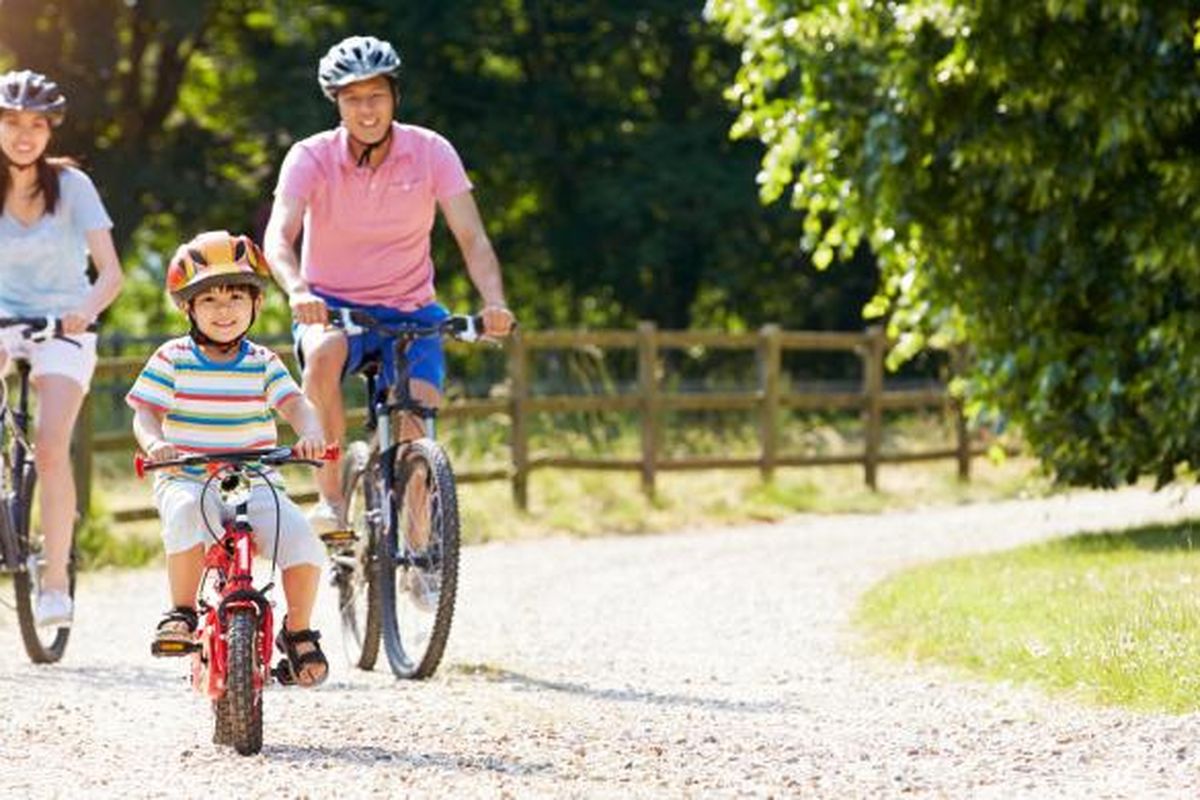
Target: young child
<point>214,390</point>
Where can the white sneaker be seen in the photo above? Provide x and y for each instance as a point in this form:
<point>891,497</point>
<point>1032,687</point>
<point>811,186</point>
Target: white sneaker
<point>325,518</point>
<point>54,609</point>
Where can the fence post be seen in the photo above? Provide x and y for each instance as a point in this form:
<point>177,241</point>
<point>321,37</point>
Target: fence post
<point>648,388</point>
<point>81,462</point>
<point>518,373</point>
<point>873,355</point>
<point>958,363</point>
<point>769,357</point>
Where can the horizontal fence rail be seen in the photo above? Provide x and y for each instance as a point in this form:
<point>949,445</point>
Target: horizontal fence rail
<point>648,400</point>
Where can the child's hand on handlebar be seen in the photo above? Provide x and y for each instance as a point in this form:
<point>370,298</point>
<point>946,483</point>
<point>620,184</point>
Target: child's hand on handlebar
<point>309,447</point>
<point>161,451</point>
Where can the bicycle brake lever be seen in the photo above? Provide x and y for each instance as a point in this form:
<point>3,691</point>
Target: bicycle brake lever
<point>48,330</point>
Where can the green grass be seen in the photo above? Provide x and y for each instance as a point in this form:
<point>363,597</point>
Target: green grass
<point>582,503</point>
<point>1110,618</point>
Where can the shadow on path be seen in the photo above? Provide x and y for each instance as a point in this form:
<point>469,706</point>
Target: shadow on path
<point>624,695</point>
<point>376,756</point>
<point>105,676</point>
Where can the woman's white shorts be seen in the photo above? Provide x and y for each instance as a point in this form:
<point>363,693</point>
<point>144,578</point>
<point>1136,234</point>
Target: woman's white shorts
<point>51,356</point>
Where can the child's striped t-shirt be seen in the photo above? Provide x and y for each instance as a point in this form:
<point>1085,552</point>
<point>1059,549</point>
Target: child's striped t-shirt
<point>210,406</point>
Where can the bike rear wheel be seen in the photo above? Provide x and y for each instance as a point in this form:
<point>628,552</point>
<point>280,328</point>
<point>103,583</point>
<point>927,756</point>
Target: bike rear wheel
<point>43,645</point>
<point>354,564</point>
<point>418,560</point>
<point>239,713</point>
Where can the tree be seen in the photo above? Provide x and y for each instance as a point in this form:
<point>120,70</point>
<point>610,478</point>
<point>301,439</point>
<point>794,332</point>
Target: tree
<point>595,133</point>
<point>166,108</point>
<point>1028,173</point>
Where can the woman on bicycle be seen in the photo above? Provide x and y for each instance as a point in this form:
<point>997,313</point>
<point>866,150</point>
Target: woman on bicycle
<point>52,220</point>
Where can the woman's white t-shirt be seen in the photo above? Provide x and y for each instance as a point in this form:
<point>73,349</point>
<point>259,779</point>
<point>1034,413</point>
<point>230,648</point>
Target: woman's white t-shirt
<point>43,267</point>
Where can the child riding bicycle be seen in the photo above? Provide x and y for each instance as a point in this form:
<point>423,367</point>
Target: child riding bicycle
<point>214,390</point>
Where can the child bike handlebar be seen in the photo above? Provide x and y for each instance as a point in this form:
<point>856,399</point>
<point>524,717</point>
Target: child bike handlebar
<point>272,456</point>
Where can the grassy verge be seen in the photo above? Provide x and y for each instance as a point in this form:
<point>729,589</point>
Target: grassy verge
<point>1109,618</point>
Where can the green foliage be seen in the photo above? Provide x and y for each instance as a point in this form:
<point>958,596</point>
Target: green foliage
<point>1109,617</point>
<point>99,544</point>
<point>594,133</point>
<point>1028,174</point>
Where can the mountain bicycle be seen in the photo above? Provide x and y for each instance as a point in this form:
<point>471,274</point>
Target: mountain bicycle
<point>396,567</point>
<point>21,552</point>
<point>231,648</point>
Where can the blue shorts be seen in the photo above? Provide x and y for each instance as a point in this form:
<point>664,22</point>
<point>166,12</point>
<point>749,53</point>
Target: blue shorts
<point>426,361</point>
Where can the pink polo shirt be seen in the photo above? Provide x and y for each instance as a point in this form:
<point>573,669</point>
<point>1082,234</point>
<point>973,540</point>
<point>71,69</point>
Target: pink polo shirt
<point>367,232</point>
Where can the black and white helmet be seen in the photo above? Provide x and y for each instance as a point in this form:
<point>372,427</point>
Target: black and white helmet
<point>32,91</point>
<point>357,58</point>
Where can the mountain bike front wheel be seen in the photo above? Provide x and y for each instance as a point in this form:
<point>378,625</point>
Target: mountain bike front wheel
<point>418,560</point>
<point>45,645</point>
<point>354,562</point>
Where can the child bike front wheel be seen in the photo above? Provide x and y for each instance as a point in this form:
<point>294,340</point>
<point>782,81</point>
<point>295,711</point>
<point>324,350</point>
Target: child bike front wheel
<point>238,713</point>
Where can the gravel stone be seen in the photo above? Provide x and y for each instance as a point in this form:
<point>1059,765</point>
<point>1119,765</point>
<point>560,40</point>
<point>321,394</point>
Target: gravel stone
<point>700,664</point>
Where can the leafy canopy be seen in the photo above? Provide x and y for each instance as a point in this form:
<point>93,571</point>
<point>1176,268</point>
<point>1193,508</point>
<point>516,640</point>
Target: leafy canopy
<point>1028,175</point>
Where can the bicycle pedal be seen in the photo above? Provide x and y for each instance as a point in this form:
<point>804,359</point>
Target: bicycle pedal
<point>168,649</point>
<point>339,538</point>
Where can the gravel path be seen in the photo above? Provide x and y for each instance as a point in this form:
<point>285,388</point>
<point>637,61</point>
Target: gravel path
<point>689,665</point>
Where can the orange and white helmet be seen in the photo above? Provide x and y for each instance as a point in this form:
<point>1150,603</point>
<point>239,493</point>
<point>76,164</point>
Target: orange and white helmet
<point>216,258</point>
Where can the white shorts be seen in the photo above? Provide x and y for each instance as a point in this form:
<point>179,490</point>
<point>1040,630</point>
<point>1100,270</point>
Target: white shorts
<point>52,356</point>
<point>178,503</point>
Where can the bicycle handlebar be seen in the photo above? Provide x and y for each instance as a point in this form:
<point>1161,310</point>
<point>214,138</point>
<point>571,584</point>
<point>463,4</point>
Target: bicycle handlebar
<point>273,456</point>
<point>462,327</point>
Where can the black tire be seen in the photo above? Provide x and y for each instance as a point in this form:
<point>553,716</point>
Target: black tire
<point>415,633</point>
<point>354,567</point>
<point>239,712</point>
<point>44,645</point>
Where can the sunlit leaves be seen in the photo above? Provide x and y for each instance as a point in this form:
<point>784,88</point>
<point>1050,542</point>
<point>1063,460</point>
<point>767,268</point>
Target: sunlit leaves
<point>1027,172</point>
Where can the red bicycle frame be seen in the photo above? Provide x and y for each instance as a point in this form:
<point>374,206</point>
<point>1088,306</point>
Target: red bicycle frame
<point>231,648</point>
<point>231,562</point>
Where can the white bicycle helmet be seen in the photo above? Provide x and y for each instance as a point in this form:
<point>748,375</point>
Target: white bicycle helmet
<point>32,91</point>
<point>354,59</point>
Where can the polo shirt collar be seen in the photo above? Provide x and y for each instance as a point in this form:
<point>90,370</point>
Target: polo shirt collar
<point>400,147</point>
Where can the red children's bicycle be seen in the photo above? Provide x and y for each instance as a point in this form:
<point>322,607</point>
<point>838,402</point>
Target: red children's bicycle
<point>231,651</point>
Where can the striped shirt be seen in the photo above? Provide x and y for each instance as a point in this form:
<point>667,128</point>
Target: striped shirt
<point>210,406</point>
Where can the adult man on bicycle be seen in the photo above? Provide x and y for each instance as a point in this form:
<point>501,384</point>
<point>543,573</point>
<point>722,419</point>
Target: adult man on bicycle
<point>366,194</point>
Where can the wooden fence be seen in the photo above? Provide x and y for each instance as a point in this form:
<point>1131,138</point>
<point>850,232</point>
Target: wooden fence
<point>767,400</point>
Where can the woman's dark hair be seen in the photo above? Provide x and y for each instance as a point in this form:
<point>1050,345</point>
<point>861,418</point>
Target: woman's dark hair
<point>48,170</point>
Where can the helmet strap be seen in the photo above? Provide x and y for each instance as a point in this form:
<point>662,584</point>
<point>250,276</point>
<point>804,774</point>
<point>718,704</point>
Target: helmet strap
<point>369,147</point>
<point>224,348</point>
